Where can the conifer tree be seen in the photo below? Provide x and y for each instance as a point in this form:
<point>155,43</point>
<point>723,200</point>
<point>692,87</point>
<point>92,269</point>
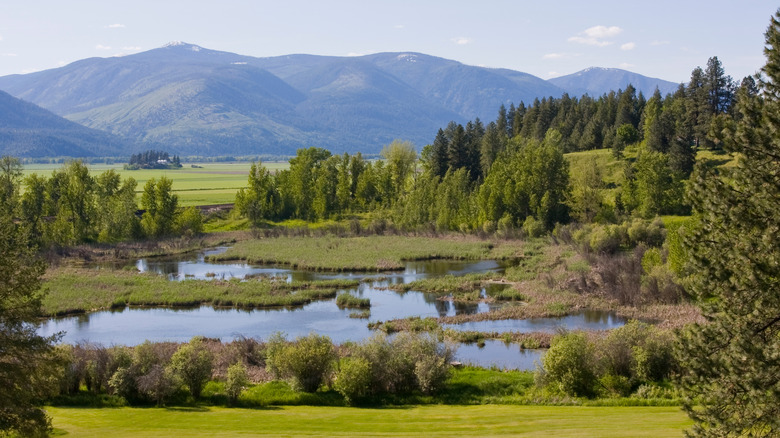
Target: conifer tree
<point>731,363</point>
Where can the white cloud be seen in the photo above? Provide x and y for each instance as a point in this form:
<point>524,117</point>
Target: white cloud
<point>602,31</point>
<point>102,47</point>
<point>626,65</point>
<point>552,74</point>
<point>461,41</point>
<point>116,26</point>
<point>628,46</point>
<point>1,38</point>
<point>131,49</point>
<point>399,26</point>
<point>352,54</point>
<point>553,56</point>
<point>596,36</point>
<point>8,54</point>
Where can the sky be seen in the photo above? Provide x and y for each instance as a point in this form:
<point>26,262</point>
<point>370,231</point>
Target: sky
<point>546,38</point>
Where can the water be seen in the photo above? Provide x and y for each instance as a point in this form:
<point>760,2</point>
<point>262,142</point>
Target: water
<point>133,326</point>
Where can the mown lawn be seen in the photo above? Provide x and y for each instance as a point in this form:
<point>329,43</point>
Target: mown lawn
<point>294,421</point>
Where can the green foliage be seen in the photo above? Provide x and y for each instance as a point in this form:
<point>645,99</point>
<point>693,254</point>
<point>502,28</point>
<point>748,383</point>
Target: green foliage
<point>530,179</point>
<point>353,379</point>
<point>26,359</point>
<point>569,365</point>
<point>160,204</point>
<point>407,362</point>
<point>189,222</point>
<point>730,364</point>
<point>237,381</point>
<point>307,361</point>
<point>533,227</point>
<point>193,363</point>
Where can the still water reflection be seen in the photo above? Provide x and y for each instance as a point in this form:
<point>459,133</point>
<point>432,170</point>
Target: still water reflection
<point>132,326</point>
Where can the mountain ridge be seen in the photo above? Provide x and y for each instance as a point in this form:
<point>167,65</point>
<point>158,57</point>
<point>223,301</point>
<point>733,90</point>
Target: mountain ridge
<point>197,101</point>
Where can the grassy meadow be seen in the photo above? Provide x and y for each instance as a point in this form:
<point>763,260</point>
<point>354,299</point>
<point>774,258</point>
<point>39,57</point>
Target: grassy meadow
<point>411,421</point>
<point>211,183</point>
<point>366,253</point>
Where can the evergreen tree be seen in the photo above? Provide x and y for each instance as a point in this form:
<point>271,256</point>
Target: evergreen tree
<point>731,364</point>
<point>720,88</point>
<point>698,110</point>
<point>457,153</point>
<point>439,161</point>
<point>491,145</point>
<point>26,359</point>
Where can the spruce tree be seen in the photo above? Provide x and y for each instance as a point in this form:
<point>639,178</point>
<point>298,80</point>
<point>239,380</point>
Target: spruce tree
<point>731,363</point>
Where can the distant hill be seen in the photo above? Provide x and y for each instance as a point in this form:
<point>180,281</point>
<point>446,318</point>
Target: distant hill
<point>596,81</point>
<point>194,101</point>
<point>27,130</point>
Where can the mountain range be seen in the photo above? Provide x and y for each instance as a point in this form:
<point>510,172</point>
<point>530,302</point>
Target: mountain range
<point>27,130</point>
<point>189,100</point>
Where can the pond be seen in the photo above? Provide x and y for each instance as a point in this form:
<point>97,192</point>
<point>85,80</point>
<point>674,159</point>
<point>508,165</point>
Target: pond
<point>132,326</point>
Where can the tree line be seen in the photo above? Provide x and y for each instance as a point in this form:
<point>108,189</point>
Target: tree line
<point>511,172</point>
<point>152,159</point>
<point>72,207</point>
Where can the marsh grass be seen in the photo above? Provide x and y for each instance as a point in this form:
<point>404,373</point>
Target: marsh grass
<point>78,290</point>
<point>346,300</point>
<point>364,253</point>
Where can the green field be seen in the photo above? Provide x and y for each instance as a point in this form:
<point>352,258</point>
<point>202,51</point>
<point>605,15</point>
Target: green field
<point>294,421</point>
<point>212,183</point>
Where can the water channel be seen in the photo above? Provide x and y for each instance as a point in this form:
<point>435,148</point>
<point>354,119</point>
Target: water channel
<point>132,326</point>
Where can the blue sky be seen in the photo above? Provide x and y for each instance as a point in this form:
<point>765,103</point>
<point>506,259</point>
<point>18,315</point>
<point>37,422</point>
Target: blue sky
<point>664,39</point>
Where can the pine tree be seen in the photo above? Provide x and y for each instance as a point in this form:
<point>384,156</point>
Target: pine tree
<point>439,161</point>
<point>26,362</point>
<point>731,363</point>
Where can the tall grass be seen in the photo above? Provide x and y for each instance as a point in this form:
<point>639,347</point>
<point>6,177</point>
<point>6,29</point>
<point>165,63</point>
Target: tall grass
<point>365,253</point>
<point>74,290</point>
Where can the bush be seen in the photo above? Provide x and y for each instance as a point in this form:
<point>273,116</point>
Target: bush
<point>604,240</point>
<point>533,227</point>
<point>189,222</point>
<point>637,351</point>
<point>237,381</point>
<point>193,363</point>
<point>569,365</point>
<point>409,362</point>
<point>353,379</point>
<point>307,361</point>
<point>158,384</point>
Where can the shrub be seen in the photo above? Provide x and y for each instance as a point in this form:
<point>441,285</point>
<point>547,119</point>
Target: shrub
<point>158,384</point>
<point>431,373</point>
<point>408,362</point>
<point>604,240</point>
<point>237,381</point>
<point>189,222</point>
<point>569,365</point>
<point>307,361</point>
<point>353,379</point>
<point>533,227</point>
<point>193,363</point>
